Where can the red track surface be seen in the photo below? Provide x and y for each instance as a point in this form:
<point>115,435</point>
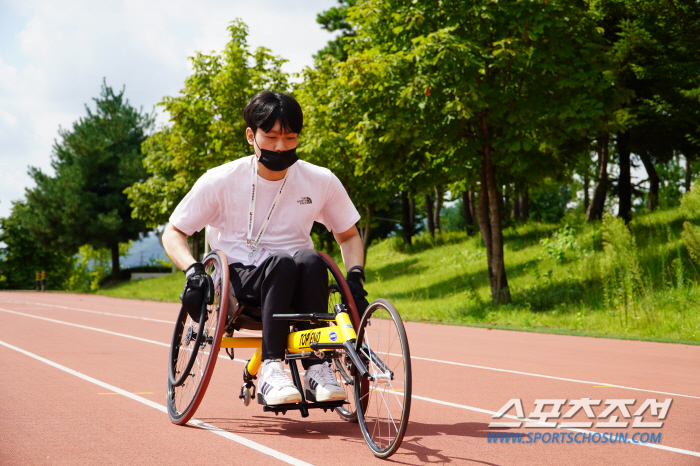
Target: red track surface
<point>50,416</point>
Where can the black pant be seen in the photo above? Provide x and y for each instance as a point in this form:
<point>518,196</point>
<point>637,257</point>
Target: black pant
<point>283,284</point>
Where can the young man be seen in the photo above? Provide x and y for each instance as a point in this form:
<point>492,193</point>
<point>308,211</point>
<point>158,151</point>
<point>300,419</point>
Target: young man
<point>260,210</point>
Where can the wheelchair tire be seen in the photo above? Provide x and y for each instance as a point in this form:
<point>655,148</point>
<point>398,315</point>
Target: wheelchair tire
<point>338,292</point>
<point>383,345</point>
<point>198,354</point>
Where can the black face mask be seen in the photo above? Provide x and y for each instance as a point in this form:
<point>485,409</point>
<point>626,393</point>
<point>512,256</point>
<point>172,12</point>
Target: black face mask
<point>277,161</point>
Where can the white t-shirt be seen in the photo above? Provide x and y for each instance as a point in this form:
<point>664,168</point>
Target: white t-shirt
<point>221,197</point>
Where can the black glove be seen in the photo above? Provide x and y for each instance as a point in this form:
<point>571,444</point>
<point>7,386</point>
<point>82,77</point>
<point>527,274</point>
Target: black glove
<point>197,292</point>
<point>356,283</point>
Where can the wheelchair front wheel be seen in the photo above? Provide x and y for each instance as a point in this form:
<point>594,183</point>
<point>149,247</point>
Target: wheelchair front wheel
<point>198,354</point>
<point>383,346</point>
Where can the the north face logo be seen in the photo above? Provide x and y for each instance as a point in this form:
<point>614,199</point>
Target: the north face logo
<point>304,200</point>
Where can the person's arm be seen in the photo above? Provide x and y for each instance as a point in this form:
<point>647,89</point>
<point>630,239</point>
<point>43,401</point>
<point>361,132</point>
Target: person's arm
<point>175,244</point>
<point>350,247</point>
<point>354,259</point>
<point>198,285</point>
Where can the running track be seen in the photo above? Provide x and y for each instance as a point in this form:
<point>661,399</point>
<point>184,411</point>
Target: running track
<point>83,381</point>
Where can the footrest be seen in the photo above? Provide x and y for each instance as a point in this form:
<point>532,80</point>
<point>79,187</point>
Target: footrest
<point>283,408</point>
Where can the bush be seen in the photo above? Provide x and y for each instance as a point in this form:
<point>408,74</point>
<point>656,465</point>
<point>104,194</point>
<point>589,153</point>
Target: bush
<point>562,241</point>
<point>623,284</point>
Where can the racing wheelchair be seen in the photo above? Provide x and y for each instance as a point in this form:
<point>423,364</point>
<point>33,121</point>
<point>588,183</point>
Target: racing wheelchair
<point>369,353</point>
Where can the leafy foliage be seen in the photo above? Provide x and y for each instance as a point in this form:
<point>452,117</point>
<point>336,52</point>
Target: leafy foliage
<point>624,286</point>
<point>22,256</point>
<point>561,242</point>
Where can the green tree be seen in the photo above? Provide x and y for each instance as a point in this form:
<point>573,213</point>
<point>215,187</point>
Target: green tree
<point>656,56</point>
<point>499,84</point>
<point>206,124</point>
<point>84,202</point>
<point>328,121</point>
<point>22,256</point>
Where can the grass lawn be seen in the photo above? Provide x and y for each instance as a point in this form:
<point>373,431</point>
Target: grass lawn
<point>166,288</point>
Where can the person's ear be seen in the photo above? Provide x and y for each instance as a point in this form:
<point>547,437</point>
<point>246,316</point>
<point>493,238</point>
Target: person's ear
<point>249,135</point>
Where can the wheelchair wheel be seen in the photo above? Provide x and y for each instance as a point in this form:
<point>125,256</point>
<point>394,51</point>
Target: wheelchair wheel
<point>342,368</point>
<point>383,345</point>
<point>187,389</point>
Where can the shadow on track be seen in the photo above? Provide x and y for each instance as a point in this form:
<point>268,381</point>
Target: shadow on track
<point>412,447</point>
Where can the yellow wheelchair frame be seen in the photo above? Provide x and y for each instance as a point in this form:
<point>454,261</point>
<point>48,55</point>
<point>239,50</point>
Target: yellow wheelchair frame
<point>297,342</point>
<point>369,354</point>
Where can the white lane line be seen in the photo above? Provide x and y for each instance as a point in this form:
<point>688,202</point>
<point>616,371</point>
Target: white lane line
<point>510,416</point>
<point>431,400</point>
<point>236,438</point>
<point>85,327</point>
<point>529,374</point>
<point>105,313</point>
<point>107,331</point>
<point>587,382</point>
<point>91,312</point>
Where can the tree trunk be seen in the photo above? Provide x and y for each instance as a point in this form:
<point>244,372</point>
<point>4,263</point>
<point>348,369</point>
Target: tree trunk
<point>586,198</point>
<point>653,202</point>
<point>688,173</point>
<point>115,261</point>
<point>195,246</point>
<point>483,217</point>
<point>438,206</point>
<point>405,219</point>
<point>624,184</point>
<point>472,203</point>
<point>507,207</point>
<point>490,224</point>
<point>595,210</point>
<point>412,213</point>
<point>524,201</point>
<point>429,215</point>
<point>466,211</point>
<point>515,213</point>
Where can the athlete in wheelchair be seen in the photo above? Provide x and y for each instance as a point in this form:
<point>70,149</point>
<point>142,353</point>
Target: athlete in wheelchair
<point>264,274</point>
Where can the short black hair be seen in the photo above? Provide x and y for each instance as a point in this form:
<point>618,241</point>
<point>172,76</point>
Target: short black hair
<point>267,107</point>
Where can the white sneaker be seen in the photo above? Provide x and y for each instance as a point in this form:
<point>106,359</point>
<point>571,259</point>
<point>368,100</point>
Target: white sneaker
<point>320,384</point>
<point>274,385</point>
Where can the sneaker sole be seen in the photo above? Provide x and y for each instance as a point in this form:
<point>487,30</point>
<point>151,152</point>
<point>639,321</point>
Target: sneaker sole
<point>311,396</point>
<point>278,400</point>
